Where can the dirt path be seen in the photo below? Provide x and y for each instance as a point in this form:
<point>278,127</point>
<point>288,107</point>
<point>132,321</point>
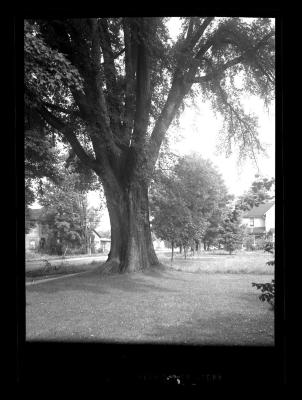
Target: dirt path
<point>171,307</point>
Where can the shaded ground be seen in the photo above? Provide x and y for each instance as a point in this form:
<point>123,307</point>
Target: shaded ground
<point>171,307</point>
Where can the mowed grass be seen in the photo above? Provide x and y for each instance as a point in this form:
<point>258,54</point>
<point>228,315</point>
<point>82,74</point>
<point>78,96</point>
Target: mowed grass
<point>238,263</point>
<point>156,307</point>
<point>57,270</point>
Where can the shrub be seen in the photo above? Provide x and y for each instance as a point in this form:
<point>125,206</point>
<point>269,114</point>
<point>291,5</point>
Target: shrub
<point>268,292</point>
<point>249,243</point>
<point>260,243</point>
<point>267,289</point>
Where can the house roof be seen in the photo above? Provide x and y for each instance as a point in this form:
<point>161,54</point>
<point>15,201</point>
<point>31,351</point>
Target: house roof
<point>101,238</point>
<point>258,211</point>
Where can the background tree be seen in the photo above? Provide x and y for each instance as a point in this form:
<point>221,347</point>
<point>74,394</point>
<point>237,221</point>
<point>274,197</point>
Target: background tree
<point>231,232</point>
<point>186,201</point>
<point>111,87</point>
<point>70,221</point>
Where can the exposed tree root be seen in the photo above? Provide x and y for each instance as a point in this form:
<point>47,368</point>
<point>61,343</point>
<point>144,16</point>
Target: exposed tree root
<point>112,267</point>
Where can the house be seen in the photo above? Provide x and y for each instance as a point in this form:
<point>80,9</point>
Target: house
<point>36,238</point>
<point>260,221</point>
<point>101,244</point>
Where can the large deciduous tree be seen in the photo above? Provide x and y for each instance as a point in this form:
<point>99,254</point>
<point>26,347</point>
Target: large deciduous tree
<point>111,87</point>
<point>188,202</point>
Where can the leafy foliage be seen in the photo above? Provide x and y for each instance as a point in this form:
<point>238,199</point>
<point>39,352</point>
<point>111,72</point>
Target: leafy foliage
<point>231,233</point>
<point>46,71</point>
<point>88,67</point>
<point>70,222</point>
<point>260,191</point>
<point>187,203</point>
<point>267,289</point>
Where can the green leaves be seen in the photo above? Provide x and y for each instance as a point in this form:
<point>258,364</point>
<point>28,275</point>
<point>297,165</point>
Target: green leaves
<point>268,291</point>
<point>46,70</point>
<point>184,201</point>
<point>261,191</point>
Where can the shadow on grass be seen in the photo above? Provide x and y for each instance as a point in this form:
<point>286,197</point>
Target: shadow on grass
<point>95,283</point>
<point>219,330</point>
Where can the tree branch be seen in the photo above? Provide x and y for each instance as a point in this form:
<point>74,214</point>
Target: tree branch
<point>218,71</point>
<point>194,38</point>
<point>68,132</point>
<point>110,76</point>
<point>60,109</point>
<point>248,54</point>
<point>143,95</point>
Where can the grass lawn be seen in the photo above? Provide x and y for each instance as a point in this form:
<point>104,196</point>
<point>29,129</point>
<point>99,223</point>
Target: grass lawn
<point>57,270</point>
<point>157,307</point>
<point>240,263</point>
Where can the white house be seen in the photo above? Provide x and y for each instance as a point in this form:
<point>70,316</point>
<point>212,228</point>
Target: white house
<point>101,244</point>
<point>260,220</point>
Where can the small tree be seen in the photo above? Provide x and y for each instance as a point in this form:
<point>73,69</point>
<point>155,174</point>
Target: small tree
<point>171,223</point>
<point>186,200</point>
<point>231,233</point>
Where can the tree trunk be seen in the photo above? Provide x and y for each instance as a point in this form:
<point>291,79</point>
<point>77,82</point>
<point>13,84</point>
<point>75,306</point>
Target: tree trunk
<point>131,242</point>
<point>180,249</point>
<point>172,255</point>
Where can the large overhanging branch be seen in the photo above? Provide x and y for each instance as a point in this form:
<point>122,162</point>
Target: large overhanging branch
<point>247,134</point>
<point>218,71</point>
<point>68,132</point>
<point>60,109</point>
<point>97,121</point>
<point>180,87</point>
<point>247,57</point>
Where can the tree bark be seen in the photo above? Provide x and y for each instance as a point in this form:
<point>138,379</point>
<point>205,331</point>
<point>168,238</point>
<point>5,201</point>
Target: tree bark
<point>131,242</point>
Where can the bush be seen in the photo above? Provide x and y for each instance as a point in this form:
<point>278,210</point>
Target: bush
<point>249,243</point>
<point>267,289</point>
<point>260,243</point>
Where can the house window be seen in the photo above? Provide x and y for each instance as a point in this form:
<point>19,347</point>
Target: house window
<point>251,221</point>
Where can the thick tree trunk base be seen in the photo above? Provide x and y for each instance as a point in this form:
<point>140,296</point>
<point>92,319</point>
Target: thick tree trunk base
<point>112,267</point>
